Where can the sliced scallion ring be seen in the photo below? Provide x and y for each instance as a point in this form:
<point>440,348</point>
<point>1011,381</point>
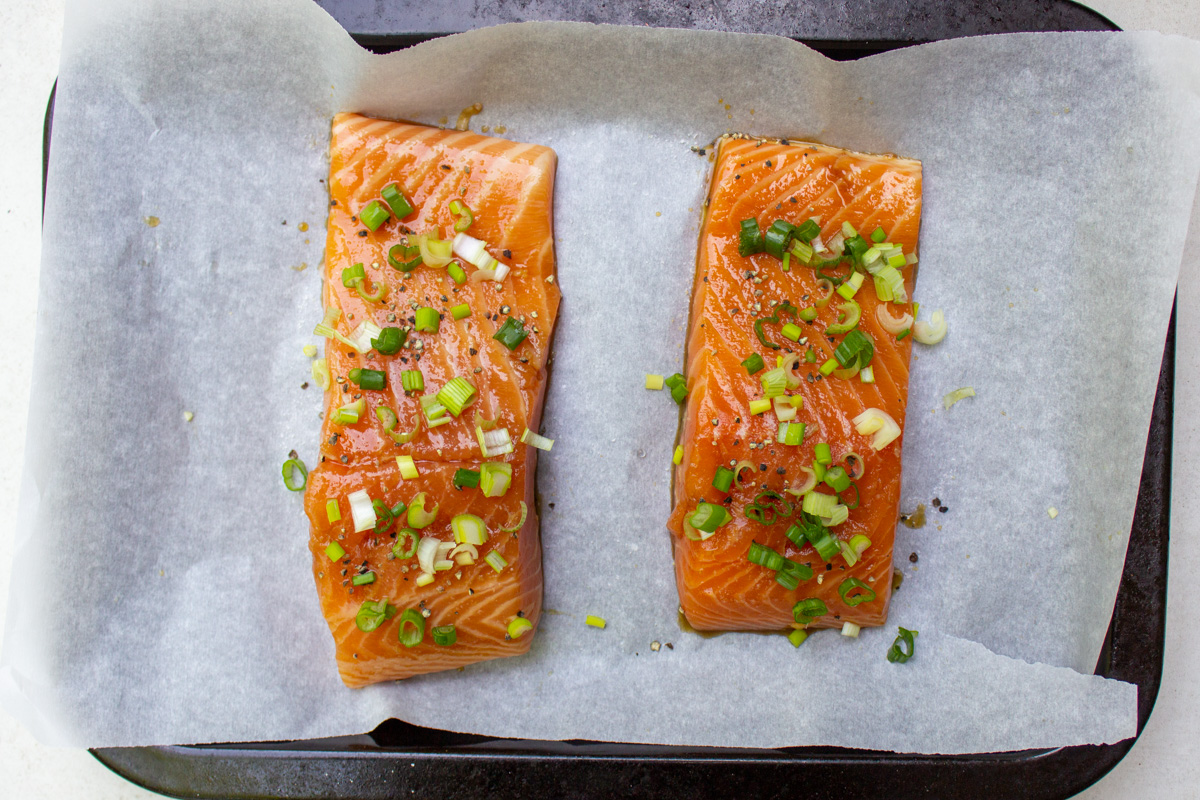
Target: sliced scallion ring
<point>412,627</point>
<point>291,468</point>
<point>866,593</point>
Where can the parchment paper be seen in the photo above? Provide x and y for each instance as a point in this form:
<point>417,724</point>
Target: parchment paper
<point>162,590</point>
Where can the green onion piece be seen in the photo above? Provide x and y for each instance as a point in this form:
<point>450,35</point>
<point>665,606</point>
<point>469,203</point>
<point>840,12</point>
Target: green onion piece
<point>412,627</point>
<point>678,387</point>
<point>801,572</point>
<point>426,319</point>
<point>332,511</point>
<point>383,516</point>
<point>882,290</point>
<point>536,440</point>
<point>783,308</point>
<point>787,261</point>
<point>857,496</point>
<point>819,471</point>
<point>373,214</point>
<point>896,654</point>
<point>460,311</point>
<point>774,382</point>
<point>291,468</point>
<point>399,252</point>
<point>809,609</point>
<point>708,517</point>
<point>797,637</point>
<point>320,373</point>
<point>792,331</point>
<point>456,395</point>
<point>496,561</point>
<point>404,535</point>
<point>878,235</point>
<point>389,341</point>
<point>867,375</point>
<point>790,433</point>
<point>456,272</point>
<point>352,274</point>
<point>375,297</point>
<point>466,478</point>
<point>469,529</point>
<point>807,314</point>
<point>828,367</point>
<point>494,478</point>
<point>511,333</point>
<point>859,543</point>
<point>654,382</point>
<point>853,312</point>
<point>849,585</point>
<point>371,614</point>
<point>822,454</point>
<point>808,230</point>
<point>764,556</point>
<point>596,622</point>
<point>388,419</point>
<point>753,364</point>
<point>818,504</point>
<point>418,517</point>
<point>412,380</point>
<point>777,237</point>
<point>518,626</point>
<point>759,406</point>
<point>750,238</point>
<point>444,635</point>
<point>854,248</point>
<point>368,378</point>
<point>847,290</point>
<point>809,356</point>
<point>363,579</point>
<point>848,553</point>
<point>817,535</point>
<point>787,578</point>
<point>465,216</point>
<point>677,457</point>
<point>802,250</point>
<point>335,551</point>
<point>399,508</point>
<point>836,479</point>
<point>350,414</point>
<point>399,204</point>
<point>769,507</point>
<point>848,230</point>
<point>956,395</point>
<point>903,333</point>
<point>723,479</point>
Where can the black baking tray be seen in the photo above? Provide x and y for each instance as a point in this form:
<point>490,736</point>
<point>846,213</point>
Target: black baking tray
<point>402,760</point>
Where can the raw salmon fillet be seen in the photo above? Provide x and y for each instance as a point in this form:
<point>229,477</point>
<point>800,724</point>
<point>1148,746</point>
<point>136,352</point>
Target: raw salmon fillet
<point>719,588</point>
<point>509,188</point>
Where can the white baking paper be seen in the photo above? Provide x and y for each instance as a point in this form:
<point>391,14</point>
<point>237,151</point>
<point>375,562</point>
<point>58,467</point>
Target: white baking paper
<point>162,590</point>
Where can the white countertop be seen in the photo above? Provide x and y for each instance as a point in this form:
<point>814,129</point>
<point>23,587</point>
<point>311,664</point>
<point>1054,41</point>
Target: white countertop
<point>1164,761</point>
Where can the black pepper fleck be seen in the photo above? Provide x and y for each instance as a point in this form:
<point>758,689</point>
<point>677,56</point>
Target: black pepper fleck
<point>362,234</point>
<point>762,467</point>
<point>508,253</point>
<point>912,557</point>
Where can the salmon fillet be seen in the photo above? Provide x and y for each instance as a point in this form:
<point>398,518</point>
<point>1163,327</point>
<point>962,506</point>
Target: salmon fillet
<point>508,187</point>
<point>719,587</point>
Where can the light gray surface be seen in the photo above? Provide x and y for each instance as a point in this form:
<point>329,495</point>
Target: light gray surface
<point>1162,763</point>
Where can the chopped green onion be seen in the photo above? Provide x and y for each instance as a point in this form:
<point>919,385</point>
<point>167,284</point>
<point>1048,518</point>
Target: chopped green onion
<point>787,261</point>
<point>817,535</point>
<point>363,579</point>
<point>383,516</point>
<point>456,395</point>
<point>807,314</point>
<point>792,331</point>
<point>903,333</point>
<point>398,252</point>
<point>677,458</point>
<point>802,251</point>
<point>678,387</point>
<point>878,422</point>
<point>368,378</point>
<point>723,479</point>
<point>469,529</point>
<point>434,251</point>
<point>848,230</point>
<point>310,350</point>
<point>836,479</point>
<point>822,453</point>
<point>769,507</point>
<point>412,380</point>
<point>808,230</point>
<point>427,319</point>
<point>465,216</point>
<point>466,478</point>
<point>859,543</point>
<point>496,561</point>
<point>350,275</point>
<point>389,420</point>
<point>759,406</point>
<point>708,517</point>
<point>878,235</point>
<point>408,467</point>
<point>460,311</point>
<point>774,382</point>
<point>399,204</point>
<point>882,290</point>
<point>819,470</point>
<point>797,637</point>
<point>810,357</point>
<point>896,654</point>
<point>332,510</point>
<point>518,626</point>
<point>535,440</point>
<point>784,410</point>
<point>777,237</point>
<point>362,510</point>
<point>405,535</point>
<point>828,367</point>
<point>373,214</point>
<point>783,308</point>
<point>764,557</point>
<point>494,478</point>
<point>654,382</point>
<point>456,273</point>
<point>853,312</point>
<point>839,515</point>
<point>444,635</point>
<point>371,614</point>
<point>595,622</point>
<point>511,333</point>
<point>851,286</point>
<point>291,468</point>
<point>418,517</point>
<point>410,637</point>
<point>790,574</point>
<point>389,341</point>
<point>335,551</point>
<point>955,396</point>
<point>867,375</point>
<point>809,609</point>
<point>849,585</point>
<point>850,629</point>
<point>930,332</point>
<point>753,364</point>
<point>350,414</point>
<point>750,238</point>
<point>320,373</point>
<point>790,433</point>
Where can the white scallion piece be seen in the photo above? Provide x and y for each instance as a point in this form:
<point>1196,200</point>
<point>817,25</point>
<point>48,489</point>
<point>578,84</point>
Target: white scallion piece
<point>958,394</point>
<point>893,325</point>
<point>363,334</point>
<point>361,510</point>
<point>880,423</point>
<point>930,332</point>
<point>850,629</point>
<point>427,550</point>
<point>534,440</point>
<point>494,442</point>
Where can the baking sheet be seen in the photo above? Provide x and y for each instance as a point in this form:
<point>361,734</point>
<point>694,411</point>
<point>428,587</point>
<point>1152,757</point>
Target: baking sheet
<point>162,590</point>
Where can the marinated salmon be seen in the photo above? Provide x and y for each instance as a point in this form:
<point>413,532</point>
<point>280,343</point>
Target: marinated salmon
<point>444,237</point>
<point>751,557</point>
